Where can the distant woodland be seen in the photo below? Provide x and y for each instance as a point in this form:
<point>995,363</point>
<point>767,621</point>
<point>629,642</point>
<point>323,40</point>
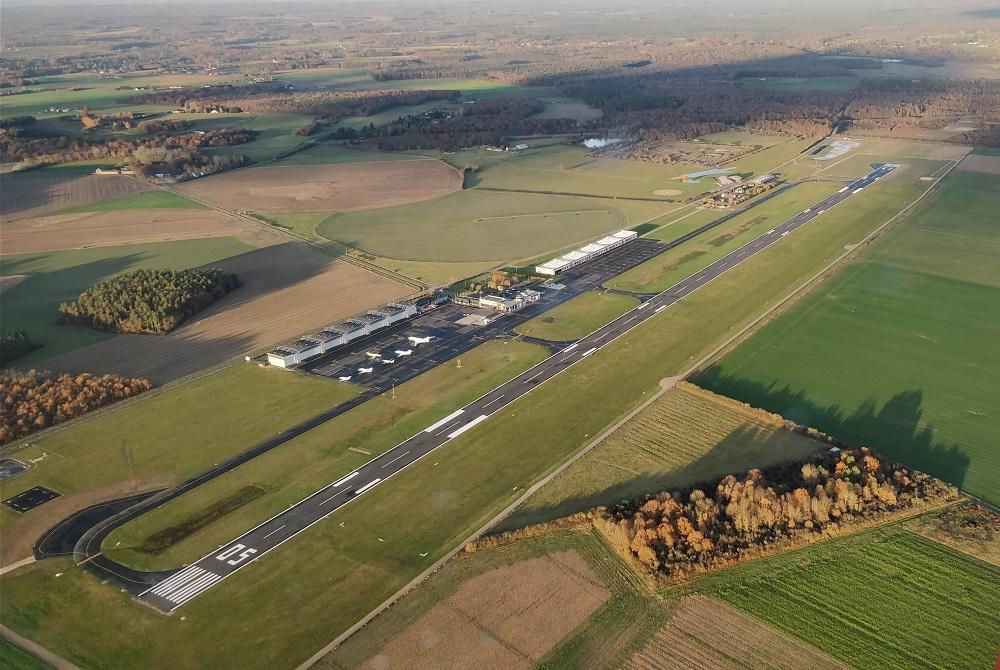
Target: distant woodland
<point>147,301</point>
<point>34,400</point>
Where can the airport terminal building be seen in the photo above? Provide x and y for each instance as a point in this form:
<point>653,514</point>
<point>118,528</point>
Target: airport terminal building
<point>586,253</point>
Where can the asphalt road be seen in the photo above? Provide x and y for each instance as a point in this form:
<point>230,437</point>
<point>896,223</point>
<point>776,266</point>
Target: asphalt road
<point>196,578</point>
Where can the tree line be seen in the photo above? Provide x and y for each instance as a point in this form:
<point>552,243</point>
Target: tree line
<point>14,344</point>
<point>33,399</point>
<point>147,301</point>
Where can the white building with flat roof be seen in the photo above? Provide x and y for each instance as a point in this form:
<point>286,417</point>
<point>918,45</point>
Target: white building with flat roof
<point>585,253</point>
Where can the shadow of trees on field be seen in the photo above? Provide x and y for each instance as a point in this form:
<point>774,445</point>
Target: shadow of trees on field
<point>734,453</point>
<point>893,429</point>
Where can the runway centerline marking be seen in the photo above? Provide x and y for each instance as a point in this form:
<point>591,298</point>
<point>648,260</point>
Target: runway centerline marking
<point>396,459</point>
<point>274,531</point>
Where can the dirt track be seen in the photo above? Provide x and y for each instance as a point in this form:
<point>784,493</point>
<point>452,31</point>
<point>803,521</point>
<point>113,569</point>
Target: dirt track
<point>101,229</point>
<point>26,196</point>
<point>509,617</point>
<point>287,289</point>
<point>327,188</point>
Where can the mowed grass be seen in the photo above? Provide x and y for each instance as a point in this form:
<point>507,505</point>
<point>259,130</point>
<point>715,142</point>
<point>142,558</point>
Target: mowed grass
<point>685,437</point>
<point>906,332</point>
<point>319,457</point>
<point>59,276</point>
<point>579,316</point>
<point>884,599</point>
<point>13,658</point>
<point>169,436</point>
<point>144,200</point>
<point>473,225</point>
<point>324,580</point>
<point>673,266</point>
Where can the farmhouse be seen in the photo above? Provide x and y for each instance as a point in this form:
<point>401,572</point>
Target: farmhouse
<point>339,334</point>
<point>586,253</point>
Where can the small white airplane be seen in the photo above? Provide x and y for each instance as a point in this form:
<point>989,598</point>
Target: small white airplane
<point>420,340</point>
<point>373,354</point>
<point>404,352</point>
<point>364,371</point>
<point>388,360</point>
<point>345,378</point>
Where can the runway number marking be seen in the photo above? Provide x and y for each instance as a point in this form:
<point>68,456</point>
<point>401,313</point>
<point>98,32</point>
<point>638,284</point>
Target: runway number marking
<point>241,549</point>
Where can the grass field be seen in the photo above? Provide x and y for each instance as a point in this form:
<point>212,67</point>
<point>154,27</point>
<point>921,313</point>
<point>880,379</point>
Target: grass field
<point>144,200</point>
<point>321,456</point>
<point>581,315</point>
<point>167,437</point>
<point>884,599</point>
<point>326,579</point>
<point>671,267</point>
<point>14,659</point>
<point>58,276</point>
<point>832,83</point>
<point>685,437</point>
<point>473,225</point>
<point>910,319</point>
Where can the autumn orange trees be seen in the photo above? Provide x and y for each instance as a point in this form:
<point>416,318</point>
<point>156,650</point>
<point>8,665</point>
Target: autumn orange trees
<point>674,534</point>
<point>34,400</point>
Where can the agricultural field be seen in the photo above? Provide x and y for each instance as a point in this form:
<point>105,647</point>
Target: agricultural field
<point>286,290</point>
<point>385,543</point>
<point>474,225</point>
<point>706,634</point>
<point>57,276</point>
<point>157,440</point>
<point>340,188</point>
<point>687,259</point>
<point>315,459</point>
<point>506,617</point>
<point>686,436</point>
<point>158,199</point>
<point>113,227</point>
<point>909,318</point>
<point>45,191</point>
<point>883,599</point>
<point>579,316</point>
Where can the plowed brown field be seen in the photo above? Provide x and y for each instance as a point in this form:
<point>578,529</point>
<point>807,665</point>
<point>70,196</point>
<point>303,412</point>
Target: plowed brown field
<point>34,195</point>
<point>509,617</point>
<point>327,188</point>
<point>287,289</point>
<point>102,229</point>
<point>707,634</point>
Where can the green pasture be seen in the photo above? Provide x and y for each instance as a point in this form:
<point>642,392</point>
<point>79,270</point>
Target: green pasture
<point>882,599</point>
<point>327,578</point>
<point>319,457</point>
<point>58,276</point>
<point>583,314</point>
<point>673,266</point>
<point>168,436</point>
<point>14,658</point>
<point>907,367</point>
<point>144,200</point>
<point>473,225</point>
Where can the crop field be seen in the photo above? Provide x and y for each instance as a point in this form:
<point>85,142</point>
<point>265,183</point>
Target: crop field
<point>603,640</point>
<point>58,276</point>
<point>324,454</point>
<point>706,634</point>
<point>158,199</point>
<point>341,188</point>
<point>57,232</point>
<point>435,273</point>
<point>507,617</point>
<point>158,440</point>
<point>581,315</point>
<point>474,225</point>
<point>326,579</point>
<point>884,599</point>
<point>287,289</point>
<point>910,318</point>
<point>686,436</point>
<point>685,260</point>
<point>42,192</point>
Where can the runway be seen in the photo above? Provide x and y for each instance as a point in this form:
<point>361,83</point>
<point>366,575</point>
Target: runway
<point>187,583</point>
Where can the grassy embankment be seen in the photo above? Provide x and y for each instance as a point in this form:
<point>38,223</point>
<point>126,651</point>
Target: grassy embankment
<point>907,367</point>
<point>431,505</point>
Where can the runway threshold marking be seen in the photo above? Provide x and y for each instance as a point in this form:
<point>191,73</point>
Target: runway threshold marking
<point>475,422</point>
<point>437,424</point>
<point>367,486</point>
<point>588,352</point>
